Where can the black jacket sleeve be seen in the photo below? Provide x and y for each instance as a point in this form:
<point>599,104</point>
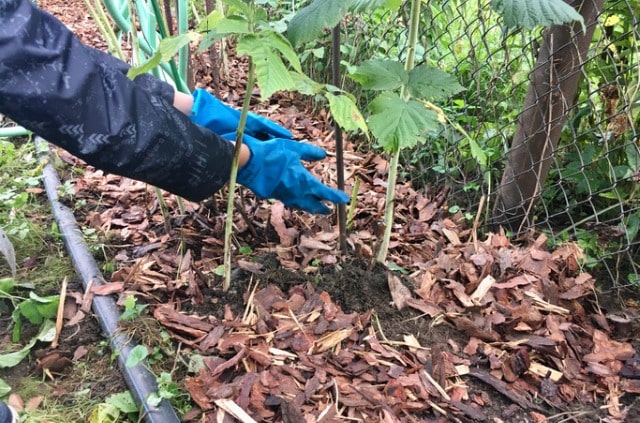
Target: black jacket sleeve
<point>81,100</point>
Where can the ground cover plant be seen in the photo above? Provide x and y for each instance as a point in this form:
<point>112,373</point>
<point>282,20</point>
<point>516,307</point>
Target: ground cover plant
<point>468,327</point>
<point>29,300</point>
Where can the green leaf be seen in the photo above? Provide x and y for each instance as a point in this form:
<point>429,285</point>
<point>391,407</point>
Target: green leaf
<point>217,29</point>
<point>4,388</point>
<point>305,85</point>
<point>233,25</point>
<point>154,399</point>
<point>530,14</point>
<point>47,306</point>
<point>432,83</point>
<point>280,43</point>
<point>392,266</point>
<point>209,23</point>
<point>132,309</point>
<point>29,310</point>
<point>17,325</point>
<point>345,111</point>
<point>137,355</point>
<point>239,5</point>
<point>196,363</point>
<point>46,334</point>
<point>310,21</point>
<point>167,49</point>
<point>123,401</point>
<point>219,270</point>
<point>6,286</point>
<point>380,75</point>
<point>399,124</point>
<point>370,5</point>
<point>633,159</point>
<point>104,413</point>
<point>271,73</point>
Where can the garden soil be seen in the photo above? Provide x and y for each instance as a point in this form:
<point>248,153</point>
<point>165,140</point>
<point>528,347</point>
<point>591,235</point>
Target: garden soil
<point>462,326</point>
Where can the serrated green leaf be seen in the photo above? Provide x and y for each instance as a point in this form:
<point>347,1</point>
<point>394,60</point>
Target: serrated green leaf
<point>345,111</point>
<point>380,75</point>
<point>431,83</point>
<point>281,44</point>
<point>305,85</point>
<point>633,157</point>
<point>137,355</point>
<point>271,73</point>
<point>233,25</point>
<point>400,124</point>
<point>310,21</point>
<point>530,14</point>
<point>210,21</point>
<point>239,5</point>
<point>167,49</point>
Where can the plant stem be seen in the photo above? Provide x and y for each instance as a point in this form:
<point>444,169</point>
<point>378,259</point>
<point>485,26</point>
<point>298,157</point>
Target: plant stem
<point>389,207</point>
<point>104,26</point>
<point>335,76</point>
<point>228,227</point>
<point>395,158</point>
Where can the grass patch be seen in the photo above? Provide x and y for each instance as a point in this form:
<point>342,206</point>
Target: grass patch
<point>42,264</point>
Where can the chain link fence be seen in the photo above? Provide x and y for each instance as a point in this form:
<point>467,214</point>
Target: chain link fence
<point>589,192</point>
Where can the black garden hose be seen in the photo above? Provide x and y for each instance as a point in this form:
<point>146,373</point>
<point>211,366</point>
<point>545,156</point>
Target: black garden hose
<point>139,380</point>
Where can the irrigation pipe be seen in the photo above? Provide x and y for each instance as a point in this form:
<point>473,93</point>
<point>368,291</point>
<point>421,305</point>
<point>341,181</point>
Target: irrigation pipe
<point>140,381</point>
<point>13,131</point>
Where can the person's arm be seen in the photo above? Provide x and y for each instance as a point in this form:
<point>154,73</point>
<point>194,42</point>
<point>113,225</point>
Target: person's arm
<point>184,103</point>
<point>67,93</point>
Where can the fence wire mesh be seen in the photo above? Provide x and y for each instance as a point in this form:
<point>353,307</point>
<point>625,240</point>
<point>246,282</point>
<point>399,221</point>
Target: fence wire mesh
<point>590,193</point>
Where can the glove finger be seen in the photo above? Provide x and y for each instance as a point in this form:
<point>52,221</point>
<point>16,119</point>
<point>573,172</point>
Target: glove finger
<point>308,204</point>
<point>210,112</point>
<point>321,191</point>
<point>263,128</point>
<point>307,151</point>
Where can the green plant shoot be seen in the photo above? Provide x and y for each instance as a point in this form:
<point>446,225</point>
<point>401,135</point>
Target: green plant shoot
<point>274,66</point>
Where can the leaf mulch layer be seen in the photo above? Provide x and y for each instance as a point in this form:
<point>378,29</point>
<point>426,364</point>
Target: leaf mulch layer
<point>476,328</point>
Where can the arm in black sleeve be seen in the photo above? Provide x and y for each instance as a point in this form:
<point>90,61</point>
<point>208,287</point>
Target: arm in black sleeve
<point>150,84</point>
<point>72,96</point>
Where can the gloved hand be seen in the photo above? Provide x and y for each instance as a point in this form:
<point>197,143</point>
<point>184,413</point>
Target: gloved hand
<point>274,170</point>
<point>210,112</point>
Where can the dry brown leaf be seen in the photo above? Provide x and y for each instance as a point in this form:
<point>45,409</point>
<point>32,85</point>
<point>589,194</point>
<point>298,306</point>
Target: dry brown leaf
<point>108,288</point>
<point>399,292</point>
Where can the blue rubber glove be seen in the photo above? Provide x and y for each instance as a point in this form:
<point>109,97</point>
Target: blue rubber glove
<point>210,112</point>
<point>274,170</point>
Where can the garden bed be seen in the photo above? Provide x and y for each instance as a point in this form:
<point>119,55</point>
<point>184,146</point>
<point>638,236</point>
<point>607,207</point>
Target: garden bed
<point>462,326</point>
